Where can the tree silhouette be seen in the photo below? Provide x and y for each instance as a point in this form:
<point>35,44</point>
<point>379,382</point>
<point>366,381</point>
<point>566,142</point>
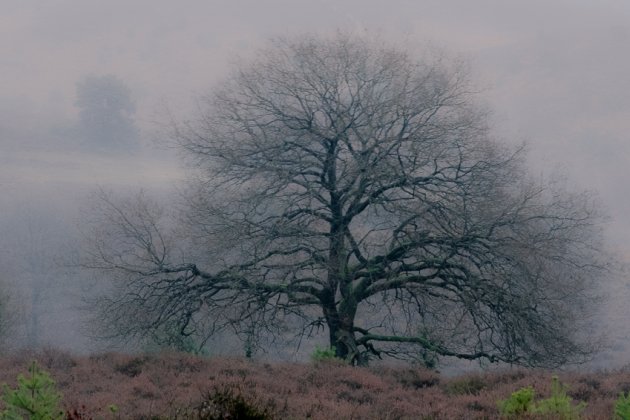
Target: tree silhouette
<point>348,185</point>
<point>106,113</point>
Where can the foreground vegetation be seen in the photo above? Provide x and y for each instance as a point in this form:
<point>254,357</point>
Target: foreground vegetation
<point>185,386</point>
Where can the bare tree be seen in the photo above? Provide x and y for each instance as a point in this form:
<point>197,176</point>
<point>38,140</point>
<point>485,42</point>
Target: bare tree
<point>346,184</point>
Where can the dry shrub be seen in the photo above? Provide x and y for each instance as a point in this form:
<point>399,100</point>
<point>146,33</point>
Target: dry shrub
<point>131,368</point>
<point>230,403</point>
<point>51,358</point>
<point>506,377</point>
<point>80,413</point>
<point>416,378</point>
<point>468,385</point>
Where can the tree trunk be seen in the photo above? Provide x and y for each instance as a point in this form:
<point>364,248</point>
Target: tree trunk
<point>341,335</point>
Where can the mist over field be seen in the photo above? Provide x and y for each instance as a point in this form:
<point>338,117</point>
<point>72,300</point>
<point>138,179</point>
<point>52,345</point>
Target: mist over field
<point>554,74</point>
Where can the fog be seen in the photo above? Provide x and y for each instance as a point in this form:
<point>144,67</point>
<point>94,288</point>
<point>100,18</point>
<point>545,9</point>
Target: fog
<point>555,75</point>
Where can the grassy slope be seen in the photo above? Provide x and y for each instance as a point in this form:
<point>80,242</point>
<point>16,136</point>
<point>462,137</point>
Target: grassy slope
<point>166,385</point>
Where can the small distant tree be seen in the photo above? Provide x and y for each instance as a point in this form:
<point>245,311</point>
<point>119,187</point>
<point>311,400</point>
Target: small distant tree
<point>349,185</point>
<point>35,397</point>
<point>106,114</point>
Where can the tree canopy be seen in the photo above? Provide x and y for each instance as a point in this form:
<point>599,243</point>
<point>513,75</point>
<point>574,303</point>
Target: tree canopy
<point>347,184</point>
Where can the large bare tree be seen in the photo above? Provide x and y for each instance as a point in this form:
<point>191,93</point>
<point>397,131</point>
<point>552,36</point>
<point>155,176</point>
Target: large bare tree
<point>347,184</point>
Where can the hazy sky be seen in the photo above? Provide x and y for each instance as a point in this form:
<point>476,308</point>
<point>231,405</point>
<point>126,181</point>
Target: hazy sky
<point>557,72</point>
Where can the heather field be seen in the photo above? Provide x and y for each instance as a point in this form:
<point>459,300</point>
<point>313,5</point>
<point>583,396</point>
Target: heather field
<point>183,386</point>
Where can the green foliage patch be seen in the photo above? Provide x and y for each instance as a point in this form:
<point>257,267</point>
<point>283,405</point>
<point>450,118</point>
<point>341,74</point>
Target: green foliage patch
<point>558,406</point>
<point>322,355</point>
<point>622,407</point>
<point>520,402</point>
<point>34,398</point>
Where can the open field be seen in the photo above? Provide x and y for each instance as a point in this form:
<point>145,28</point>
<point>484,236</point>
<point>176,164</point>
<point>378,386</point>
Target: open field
<point>185,386</point>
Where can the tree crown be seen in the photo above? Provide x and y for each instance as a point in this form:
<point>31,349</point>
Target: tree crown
<point>343,183</point>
